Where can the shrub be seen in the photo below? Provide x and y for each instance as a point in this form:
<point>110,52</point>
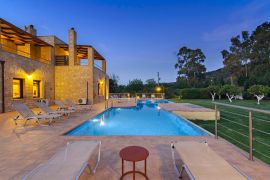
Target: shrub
<point>230,91</point>
<point>259,91</point>
<point>194,93</point>
<point>213,90</point>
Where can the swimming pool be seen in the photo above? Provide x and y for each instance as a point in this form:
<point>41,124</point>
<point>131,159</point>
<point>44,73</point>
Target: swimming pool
<point>146,119</point>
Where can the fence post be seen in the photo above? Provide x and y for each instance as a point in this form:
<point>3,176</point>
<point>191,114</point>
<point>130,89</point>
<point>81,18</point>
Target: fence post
<point>216,117</point>
<point>250,137</point>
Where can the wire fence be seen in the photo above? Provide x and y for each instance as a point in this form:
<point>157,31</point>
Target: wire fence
<point>247,128</point>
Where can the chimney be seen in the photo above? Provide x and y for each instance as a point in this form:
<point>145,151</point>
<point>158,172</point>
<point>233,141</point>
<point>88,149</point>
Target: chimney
<point>30,29</point>
<point>72,50</point>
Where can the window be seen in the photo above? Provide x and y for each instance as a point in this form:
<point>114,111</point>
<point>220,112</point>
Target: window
<point>17,88</point>
<point>83,62</point>
<point>36,89</point>
<point>100,88</point>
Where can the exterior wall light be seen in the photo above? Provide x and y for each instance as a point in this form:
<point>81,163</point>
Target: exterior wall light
<point>29,76</point>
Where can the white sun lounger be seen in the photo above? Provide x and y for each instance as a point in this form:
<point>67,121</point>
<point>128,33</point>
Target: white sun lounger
<point>62,105</point>
<point>68,163</point>
<point>201,163</point>
<point>78,107</point>
<point>44,107</point>
<point>27,114</point>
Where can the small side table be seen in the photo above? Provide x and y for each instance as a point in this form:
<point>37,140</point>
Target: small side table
<point>134,154</point>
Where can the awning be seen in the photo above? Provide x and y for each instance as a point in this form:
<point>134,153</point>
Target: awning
<point>19,36</point>
<point>82,50</point>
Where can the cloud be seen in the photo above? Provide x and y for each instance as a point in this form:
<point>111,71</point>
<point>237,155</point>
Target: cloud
<point>246,18</point>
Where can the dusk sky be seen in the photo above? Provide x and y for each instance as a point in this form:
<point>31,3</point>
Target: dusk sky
<point>141,37</point>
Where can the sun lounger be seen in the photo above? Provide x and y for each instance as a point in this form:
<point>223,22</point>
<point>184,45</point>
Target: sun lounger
<point>153,96</point>
<point>62,106</point>
<point>201,163</point>
<point>78,107</point>
<point>44,107</point>
<point>68,163</point>
<point>27,114</point>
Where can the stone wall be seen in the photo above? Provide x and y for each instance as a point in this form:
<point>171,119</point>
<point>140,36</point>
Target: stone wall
<point>1,103</point>
<point>98,76</point>
<point>17,66</point>
<point>71,83</point>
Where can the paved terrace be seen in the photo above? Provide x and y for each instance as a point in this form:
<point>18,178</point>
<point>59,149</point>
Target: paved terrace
<point>23,149</point>
<point>190,111</point>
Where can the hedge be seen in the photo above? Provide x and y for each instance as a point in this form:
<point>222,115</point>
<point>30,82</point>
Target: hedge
<point>194,93</point>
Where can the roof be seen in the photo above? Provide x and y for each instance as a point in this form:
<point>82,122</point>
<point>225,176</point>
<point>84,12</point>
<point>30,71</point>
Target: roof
<point>83,49</point>
<point>19,36</point>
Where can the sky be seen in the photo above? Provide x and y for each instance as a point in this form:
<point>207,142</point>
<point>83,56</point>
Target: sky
<point>142,37</point>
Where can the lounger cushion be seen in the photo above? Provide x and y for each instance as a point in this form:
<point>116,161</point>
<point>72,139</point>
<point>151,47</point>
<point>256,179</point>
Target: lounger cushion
<point>66,163</point>
<point>204,163</point>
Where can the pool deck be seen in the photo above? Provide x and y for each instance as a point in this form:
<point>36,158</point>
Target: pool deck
<point>23,149</point>
<point>190,111</point>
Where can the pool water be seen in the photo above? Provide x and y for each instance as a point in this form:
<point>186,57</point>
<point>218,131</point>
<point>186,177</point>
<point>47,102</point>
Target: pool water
<point>146,119</point>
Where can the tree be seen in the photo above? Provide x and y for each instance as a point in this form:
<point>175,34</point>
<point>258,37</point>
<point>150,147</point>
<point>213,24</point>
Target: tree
<point>150,85</point>
<point>190,64</point>
<point>134,86</point>
<point>230,91</point>
<point>260,39</point>
<point>113,83</point>
<point>231,64</point>
<point>259,91</point>
<point>213,90</point>
<point>238,56</point>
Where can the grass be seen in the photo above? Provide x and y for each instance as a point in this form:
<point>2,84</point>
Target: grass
<point>234,125</point>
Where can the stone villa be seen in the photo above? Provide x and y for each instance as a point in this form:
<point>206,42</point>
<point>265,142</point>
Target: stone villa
<point>45,67</point>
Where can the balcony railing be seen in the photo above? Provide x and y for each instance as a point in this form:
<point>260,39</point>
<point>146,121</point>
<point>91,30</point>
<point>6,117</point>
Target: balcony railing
<point>61,61</point>
<point>25,54</point>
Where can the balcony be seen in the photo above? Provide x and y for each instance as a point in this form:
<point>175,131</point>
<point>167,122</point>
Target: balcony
<point>17,41</point>
<point>41,54</point>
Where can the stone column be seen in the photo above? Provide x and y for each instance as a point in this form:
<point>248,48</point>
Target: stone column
<point>91,78</point>
<point>72,50</point>
<point>104,66</point>
<point>105,78</point>
<point>0,38</point>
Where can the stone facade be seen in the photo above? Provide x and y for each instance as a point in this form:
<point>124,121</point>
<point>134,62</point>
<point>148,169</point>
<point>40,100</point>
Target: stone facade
<point>17,66</point>
<point>66,81</point>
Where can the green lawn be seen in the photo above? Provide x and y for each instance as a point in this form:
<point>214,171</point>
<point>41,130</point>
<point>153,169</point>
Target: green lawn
<point>234,123</point>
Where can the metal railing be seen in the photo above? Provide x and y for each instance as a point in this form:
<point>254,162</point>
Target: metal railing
<point>137,95</point>
<point>150,95</point>
<point>25,54</point>
<point>119,95</point>
<point>247,128</point>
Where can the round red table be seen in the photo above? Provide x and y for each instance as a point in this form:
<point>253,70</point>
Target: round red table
<point>134,154</point>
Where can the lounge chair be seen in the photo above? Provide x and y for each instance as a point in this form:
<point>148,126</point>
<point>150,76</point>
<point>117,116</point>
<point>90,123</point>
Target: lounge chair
<point>62,106</point>
<point>143,96</point>
<point>78,107</point>
<point>27,114</point>
<point>68,163</point>
<point>44,107</point>
<point>201,162</point>
<point>153,96</point>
